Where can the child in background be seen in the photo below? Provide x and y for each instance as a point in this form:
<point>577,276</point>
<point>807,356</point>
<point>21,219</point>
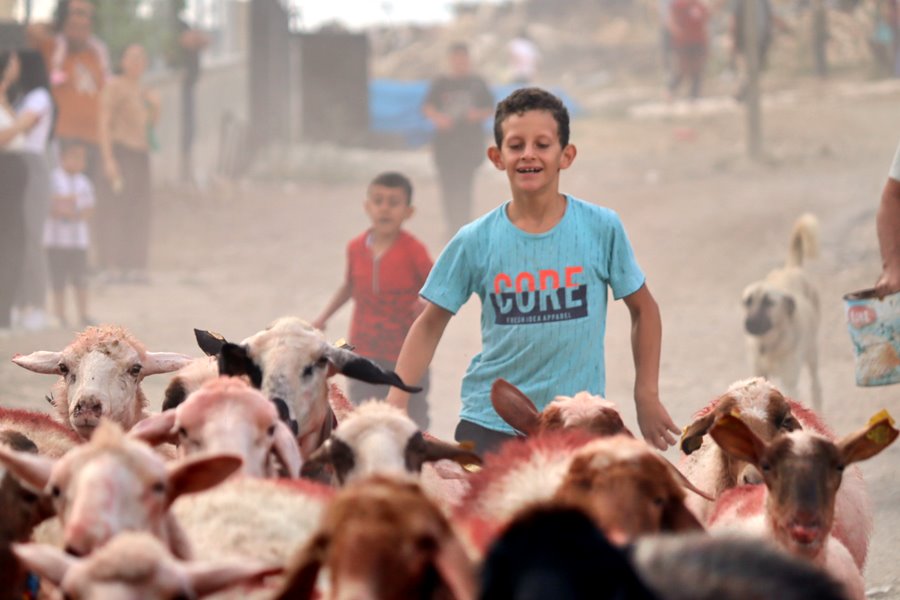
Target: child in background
<point>66,234</point>
<point>386,267</point>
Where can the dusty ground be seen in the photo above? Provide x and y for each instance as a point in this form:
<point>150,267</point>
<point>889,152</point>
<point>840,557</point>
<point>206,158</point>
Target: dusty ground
<point>704,222</point>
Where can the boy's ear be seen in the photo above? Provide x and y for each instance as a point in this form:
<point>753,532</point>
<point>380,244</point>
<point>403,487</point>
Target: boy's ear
<point>493,154</point>
<point>568,156</point>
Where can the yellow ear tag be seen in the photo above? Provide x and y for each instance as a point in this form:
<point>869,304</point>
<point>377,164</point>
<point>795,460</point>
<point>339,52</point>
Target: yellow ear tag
<point>344,344</point>
<point>882,415</point>
<point>471,467</point>
<point>217,335</point>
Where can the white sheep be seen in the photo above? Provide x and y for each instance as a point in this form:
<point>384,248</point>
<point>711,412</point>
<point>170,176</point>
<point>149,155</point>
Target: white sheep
<point>100,377</point>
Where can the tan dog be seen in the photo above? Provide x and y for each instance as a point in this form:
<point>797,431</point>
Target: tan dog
<point>782,316</point>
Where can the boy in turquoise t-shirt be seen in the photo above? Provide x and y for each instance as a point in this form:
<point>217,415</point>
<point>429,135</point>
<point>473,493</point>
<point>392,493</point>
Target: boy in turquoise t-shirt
<point>541,264</point>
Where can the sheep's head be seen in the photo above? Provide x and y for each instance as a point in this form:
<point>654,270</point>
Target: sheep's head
<point>382,538</point>
<point>112,484</point>
<point>101,373</point>
<point>584,411</point>
<point>802,471</point>
<point>290,362</point>
<point>135,565</point>
<point>627,489</point>
<point>227,415</point>
<point>378,438</point>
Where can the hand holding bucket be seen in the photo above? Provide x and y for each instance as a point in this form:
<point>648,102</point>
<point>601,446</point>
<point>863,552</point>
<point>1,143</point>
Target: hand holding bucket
<point>874,326</point>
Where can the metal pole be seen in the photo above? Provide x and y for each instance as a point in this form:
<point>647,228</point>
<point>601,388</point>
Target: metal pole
<point>752,11</point>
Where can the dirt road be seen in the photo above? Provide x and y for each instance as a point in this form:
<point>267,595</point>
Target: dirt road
<point>703,220</point>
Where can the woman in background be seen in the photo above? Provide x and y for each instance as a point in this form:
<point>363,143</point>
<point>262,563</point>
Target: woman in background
<point>128,112</point>
<point>33,100</point>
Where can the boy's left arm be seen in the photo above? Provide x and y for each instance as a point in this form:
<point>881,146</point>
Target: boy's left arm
<point>656,425</point>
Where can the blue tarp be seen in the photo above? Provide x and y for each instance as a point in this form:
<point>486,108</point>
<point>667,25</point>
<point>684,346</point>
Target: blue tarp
<point>395,108</point>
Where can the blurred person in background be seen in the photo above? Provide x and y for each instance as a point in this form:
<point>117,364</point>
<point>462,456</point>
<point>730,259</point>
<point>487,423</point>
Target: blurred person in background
<point>14,178</point>
<point>888,226</point>
<point>738,10</point>
<point>78,63</point>
<point>189,45</point>
<point>690,41</point>
<point>128,113</point>
<point>524,57</point>
<point>66,235</point>
<point>33,101</point>
<point>457,104</point>
<point>883,39</point>
<point>386,268</point>
<point>665,36</point>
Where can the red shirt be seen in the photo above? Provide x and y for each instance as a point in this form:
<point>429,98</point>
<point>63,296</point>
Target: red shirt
<point>690,17</point>
<point>385,293</point>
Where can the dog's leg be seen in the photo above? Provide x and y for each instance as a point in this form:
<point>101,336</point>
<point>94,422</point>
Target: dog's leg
<point>815,383</point>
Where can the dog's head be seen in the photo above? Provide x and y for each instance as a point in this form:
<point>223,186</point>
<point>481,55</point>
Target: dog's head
<point>766,308</point>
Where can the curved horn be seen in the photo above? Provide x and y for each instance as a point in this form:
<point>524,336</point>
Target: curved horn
<point>355,366</point>
<point>42,361</point>
<point>286,449</point>
<point>685,482</point>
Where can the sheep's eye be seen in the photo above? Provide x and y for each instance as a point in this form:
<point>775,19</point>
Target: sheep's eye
<point>182,432</point>
<point>271,430</point>
<point>765,467</point>
<point>159,487</point>
<point>135,370</point>
<point>55,491</point>
<point>28,497</point>
<point>323,360</point>
<point>840,467</point>
<point>307,371</point>
<point>748,301</point>
<point>63,369</point>
<point>659,501</point>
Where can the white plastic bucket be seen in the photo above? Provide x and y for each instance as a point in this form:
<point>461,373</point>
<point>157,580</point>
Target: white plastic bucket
<point>874,327</point>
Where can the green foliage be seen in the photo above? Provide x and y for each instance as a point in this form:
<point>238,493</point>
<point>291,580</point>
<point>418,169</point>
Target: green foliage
<point>123,22</point>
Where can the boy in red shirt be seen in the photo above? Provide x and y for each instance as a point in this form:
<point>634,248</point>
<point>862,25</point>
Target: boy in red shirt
<point>687,25</point>
<point>386,268</point>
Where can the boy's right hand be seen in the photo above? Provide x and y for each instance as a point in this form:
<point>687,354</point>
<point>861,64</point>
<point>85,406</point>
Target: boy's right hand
<point>319,324</point>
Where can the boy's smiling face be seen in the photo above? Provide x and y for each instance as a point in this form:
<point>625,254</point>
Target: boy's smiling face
<point>387,208</point>
<point>531,153</point>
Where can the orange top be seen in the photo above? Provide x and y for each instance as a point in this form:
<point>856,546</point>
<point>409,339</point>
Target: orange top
<point>77,91</point>
<point>127,115</point>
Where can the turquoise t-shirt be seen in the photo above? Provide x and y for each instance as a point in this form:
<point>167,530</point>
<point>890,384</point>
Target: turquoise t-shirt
<point>543,302</point>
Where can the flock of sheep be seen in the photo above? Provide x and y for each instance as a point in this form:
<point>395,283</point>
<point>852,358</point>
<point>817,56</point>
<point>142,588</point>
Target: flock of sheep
<point>259,480</point>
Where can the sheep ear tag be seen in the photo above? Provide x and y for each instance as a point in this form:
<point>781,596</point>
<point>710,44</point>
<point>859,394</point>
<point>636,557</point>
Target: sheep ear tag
<point>343,344</point>
<point>881,425</point>
<point>470,447</point>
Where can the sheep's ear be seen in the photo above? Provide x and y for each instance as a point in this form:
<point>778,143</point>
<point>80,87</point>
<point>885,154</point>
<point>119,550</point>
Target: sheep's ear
<point>45,560</point>
<point>208,579</point>
<point>514,407</point>
<point>156,429</point>
<point>869,441</point>
<point>420,450</point>
<point>300,583</point>
<point>199,474</point>
<point>164,362</point>
<point>286,449</point>
<point>737,440</point>
<point>209,341</point>
<point>334,452</point>
<point>42,361</point>
<point>355,366</point>
<point>32,469</point>
<point>456,569</point>
<point>692,436</point>
<point>234,360</point>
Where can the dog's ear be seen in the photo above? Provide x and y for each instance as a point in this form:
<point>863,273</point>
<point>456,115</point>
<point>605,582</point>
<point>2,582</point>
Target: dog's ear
<point>790,305</point>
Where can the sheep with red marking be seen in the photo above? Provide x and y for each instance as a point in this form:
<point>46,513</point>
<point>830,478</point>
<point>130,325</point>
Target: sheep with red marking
<point>382,538</point>
<point>227,415</point>
<point>290,362</point>
<point>768,413</point>
<point>137,565</point>
<point>51,437</point>
<point>626,487</point>
<point>100,377</point>
<point>802,472</point>
<point>586,411</point>
<point>22,510</point>
<point>113,483</point>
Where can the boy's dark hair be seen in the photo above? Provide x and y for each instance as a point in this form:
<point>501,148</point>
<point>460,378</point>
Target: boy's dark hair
<point>532,98</point>
<point>393,179</point>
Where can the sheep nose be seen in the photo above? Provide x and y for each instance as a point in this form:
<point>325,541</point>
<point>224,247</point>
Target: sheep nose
<point>89,405</point>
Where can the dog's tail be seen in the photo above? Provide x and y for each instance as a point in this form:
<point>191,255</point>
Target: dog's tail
<point>804,241</point>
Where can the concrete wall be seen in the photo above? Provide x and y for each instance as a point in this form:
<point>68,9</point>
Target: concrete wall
<point>222,89</point>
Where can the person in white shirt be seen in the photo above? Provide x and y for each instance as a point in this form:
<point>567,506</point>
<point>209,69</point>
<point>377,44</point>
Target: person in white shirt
<point>66,233</point>
<point>33,99</point>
